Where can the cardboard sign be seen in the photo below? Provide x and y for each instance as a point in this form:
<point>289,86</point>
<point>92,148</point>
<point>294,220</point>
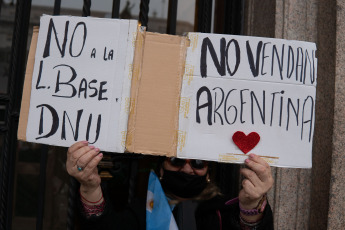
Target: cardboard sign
<point>81,82</point>
<point>206,96</point>
<point>238,84</point>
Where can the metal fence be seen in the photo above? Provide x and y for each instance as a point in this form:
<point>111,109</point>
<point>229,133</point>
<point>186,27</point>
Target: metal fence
<point>227,18</point>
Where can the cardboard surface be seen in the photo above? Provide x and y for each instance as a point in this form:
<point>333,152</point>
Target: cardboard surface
<point>154,121</point>
<point>248,84</point>
<point>205,96</point>
<point>25,106</point>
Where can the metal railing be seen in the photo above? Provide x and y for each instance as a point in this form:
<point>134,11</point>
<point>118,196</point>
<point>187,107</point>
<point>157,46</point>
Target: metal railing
<point>232,22</point>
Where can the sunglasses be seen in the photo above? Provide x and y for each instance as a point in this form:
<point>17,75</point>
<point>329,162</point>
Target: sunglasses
<point>195,164</point>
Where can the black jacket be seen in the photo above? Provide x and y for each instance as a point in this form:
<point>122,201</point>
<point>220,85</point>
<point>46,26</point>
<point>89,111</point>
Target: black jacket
<point>206,217</point>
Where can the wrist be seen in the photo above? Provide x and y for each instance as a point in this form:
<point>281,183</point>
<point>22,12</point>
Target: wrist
<point>252,204</point>
<point>87,189</point>
<point>91,196</point>
<point>252,209</point>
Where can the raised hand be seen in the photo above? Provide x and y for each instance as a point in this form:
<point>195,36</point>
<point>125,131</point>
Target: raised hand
<point>258,181</point>
<point>82,161</point>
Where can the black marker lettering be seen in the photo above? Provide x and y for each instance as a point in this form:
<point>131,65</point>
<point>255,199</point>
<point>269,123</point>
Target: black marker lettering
<point>215,105</point>
<point>110,54</point>
<point>312,77</point>
<point>93,88</point>
<point>58,83</point>
<point>281,109</point>
<point>263,58</point>
<point>93,53</point>
<point>62,48</point>
<point>84,39</point>
<point>296,112</point>
<point>83,87</point>
<point>238,56</point>
<point>101,91</point>
<point>98,128</point>
<point>220,65</point>
<point>299,64</point>
<point>208,104</point>
<point>279,60</point>
<point>232,106</point>
<point>291,58</point>
<point>305,67</point>
<point>310,121</point>
<point>272,109</point>
<point>262,111</point>
<point>254,67</point>
<point>242,103</point>
<point>39,77</point>
<point>55,121</point>
<point>76,132</point>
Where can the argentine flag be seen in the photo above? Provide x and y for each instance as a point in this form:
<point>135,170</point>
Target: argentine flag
<point>158,211</point>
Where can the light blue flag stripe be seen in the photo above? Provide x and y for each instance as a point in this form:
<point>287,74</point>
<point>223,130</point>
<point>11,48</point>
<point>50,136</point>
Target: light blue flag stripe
<point>158,211</point>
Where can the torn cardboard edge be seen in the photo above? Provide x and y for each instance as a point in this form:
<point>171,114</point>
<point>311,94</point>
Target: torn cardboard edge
<point>25,105</point>
<point>154,114</point>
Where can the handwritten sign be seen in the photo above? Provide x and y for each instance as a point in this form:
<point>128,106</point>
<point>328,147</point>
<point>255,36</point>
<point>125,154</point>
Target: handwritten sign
<point>81,81</point>
<point>253,85</point>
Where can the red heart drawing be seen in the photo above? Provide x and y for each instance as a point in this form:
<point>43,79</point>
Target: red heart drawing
<point>244,142</point>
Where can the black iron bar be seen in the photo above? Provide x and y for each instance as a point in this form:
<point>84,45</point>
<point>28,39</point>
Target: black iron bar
<point>144,12</point>
<point>204,16</point>
<point>57,7</point>
<point>42,187</point>
<point>87,8</point>
<point>172,17</point>
<point>116,9</point>
<point>16,76</point>
<point>207,16</point>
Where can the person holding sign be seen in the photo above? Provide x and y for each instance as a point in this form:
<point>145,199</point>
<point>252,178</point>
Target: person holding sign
<point>183,188</point>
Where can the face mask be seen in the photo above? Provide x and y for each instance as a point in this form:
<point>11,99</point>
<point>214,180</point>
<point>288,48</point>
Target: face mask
<point>182,184</point>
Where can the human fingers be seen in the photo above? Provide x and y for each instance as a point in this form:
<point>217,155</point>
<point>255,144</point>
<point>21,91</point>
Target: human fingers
<point>249,191</point>
<point>84,159</point>
<point>76,146</point>
<point>260,167</point>
<point>74,156</point>
<point>251,176</point>
<point>91,167</point>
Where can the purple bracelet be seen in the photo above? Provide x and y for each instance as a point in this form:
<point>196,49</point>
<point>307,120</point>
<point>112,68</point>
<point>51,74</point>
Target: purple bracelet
<point>259,209</point>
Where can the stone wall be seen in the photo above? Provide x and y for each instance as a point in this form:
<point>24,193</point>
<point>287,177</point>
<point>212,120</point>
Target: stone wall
<point>311,198</point>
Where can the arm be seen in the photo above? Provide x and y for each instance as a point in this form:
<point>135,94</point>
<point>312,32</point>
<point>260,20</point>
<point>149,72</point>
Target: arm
<point>86,157</point>
<point>97,211</point>
<point>258,181</point>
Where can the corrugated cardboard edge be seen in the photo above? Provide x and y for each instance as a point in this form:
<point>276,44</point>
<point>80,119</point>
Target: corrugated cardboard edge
<point>136,75</point>
<point>148,132</point>
<point>25,106</point>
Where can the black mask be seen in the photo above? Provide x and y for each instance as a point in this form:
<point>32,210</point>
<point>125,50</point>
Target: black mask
<point>182,184</point>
